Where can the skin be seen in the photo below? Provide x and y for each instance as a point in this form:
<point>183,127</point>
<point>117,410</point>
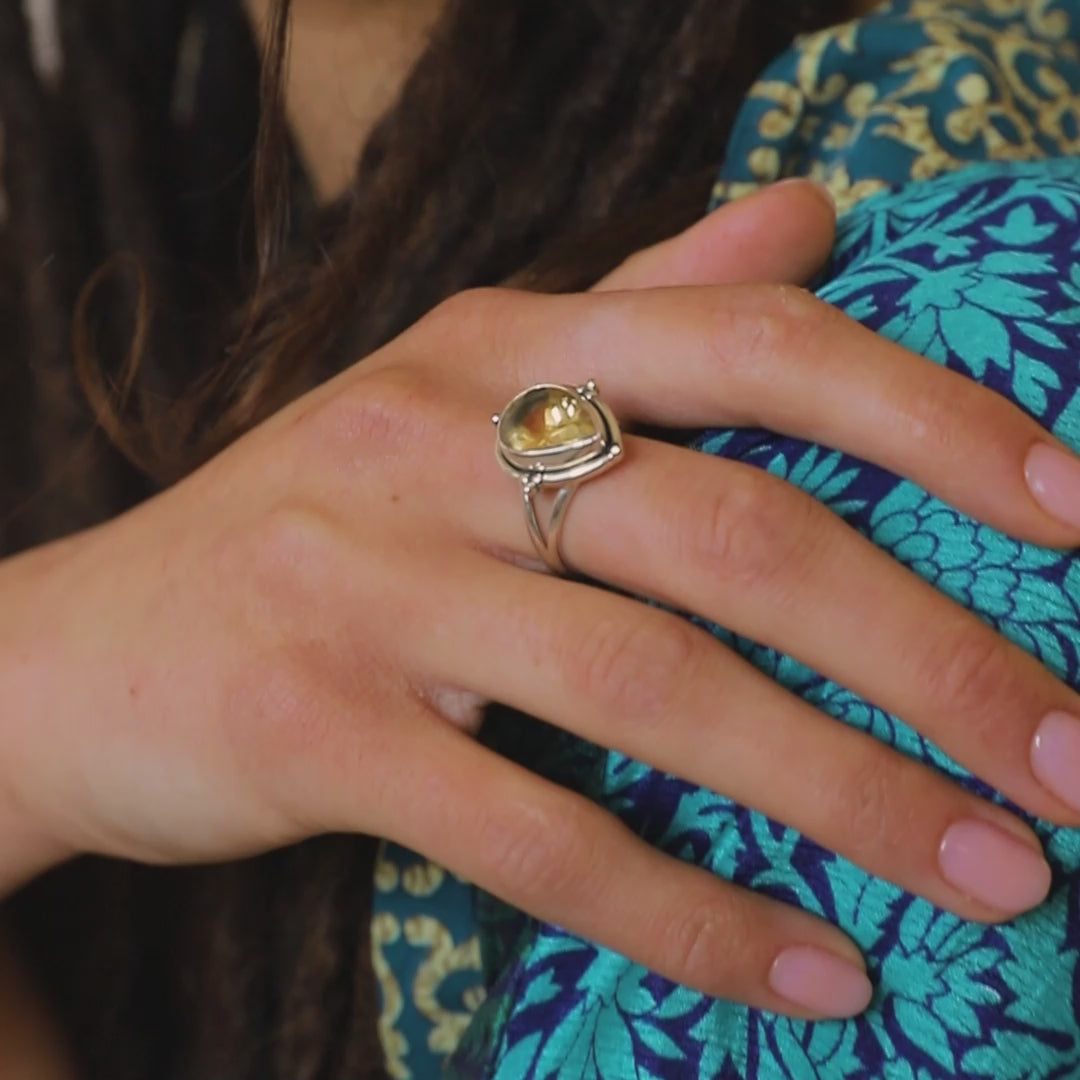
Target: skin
<point>290,662</point>
<point>275,666</point>
<point>348,59</point>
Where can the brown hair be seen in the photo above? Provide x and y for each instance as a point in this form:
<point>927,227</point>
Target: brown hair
<point>533,141</point>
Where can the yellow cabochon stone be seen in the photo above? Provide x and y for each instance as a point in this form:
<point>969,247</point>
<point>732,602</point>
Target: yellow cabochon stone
<point>547,418</point>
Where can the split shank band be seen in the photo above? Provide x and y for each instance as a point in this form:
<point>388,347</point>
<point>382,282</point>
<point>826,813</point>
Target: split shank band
<point>553,436</point>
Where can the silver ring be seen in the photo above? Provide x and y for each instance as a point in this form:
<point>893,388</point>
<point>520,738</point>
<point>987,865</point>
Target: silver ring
<point>555,436</point>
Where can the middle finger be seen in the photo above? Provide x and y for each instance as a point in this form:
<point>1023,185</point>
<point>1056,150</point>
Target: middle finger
<point>752,553</point>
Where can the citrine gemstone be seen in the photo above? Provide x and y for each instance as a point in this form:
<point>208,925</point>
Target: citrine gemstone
<point>547,418</point>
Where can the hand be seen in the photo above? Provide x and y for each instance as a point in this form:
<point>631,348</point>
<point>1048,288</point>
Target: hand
<point>295,639</point>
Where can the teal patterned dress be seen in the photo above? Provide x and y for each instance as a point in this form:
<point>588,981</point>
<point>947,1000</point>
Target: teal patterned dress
<point>944,130</point>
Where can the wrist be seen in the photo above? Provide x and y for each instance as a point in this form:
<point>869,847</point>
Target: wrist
<point>24,853</point>
<point>27,685</point>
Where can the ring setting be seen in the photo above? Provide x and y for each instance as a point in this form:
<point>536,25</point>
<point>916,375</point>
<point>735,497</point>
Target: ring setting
<point>556,436</point>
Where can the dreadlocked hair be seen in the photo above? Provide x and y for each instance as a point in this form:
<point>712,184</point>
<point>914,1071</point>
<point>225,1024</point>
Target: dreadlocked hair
<point>167,281</point>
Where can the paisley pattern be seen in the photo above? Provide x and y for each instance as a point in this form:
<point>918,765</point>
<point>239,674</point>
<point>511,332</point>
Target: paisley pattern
<point>921,88</point>
<point>426,957</point>
<point>980,271</point>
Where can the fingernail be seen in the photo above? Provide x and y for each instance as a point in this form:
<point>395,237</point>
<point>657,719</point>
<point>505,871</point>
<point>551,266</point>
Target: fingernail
<point>820,981</point>
<point>817,186</point>
<point>987,864</point>
<point>1055,756</point>
<point>1054,479</point>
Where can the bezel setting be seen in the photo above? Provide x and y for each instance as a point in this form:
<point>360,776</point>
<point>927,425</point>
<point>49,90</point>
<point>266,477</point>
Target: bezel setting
<point>559,461</point>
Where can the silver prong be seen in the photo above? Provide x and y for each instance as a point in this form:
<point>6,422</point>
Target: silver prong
<point>495,419</point>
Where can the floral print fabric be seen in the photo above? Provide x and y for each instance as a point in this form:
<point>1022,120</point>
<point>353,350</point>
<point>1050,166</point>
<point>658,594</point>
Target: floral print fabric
<point>979,271</point>
<point>921,88</point>
<point>975,276</point>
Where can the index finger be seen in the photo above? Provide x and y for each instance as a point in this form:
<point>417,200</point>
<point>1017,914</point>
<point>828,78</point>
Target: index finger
<point>783,233</point>
<point>776,357</point>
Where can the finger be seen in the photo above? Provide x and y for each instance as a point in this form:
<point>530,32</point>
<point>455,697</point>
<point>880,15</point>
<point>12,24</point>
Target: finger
<point>645,682</point>
<point>754,554</point>
<point>568,862</point>
<point>775,357</point>
<point>783,233</point>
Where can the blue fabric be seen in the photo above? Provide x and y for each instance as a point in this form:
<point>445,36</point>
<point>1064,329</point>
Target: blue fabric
<point>979,271</point>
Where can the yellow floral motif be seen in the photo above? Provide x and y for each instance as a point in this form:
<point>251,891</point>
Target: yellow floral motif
<point>386,873</point>
<point>765,164</point>
<point>845,192</point>
<point>423,879</point>
<point>1050,24</point>
<point>728,191</point>
<point>439,959</point>
<point>860,100</point>
<point>998,110</point>
<point>839,136</point>
<point>385,930</point>
<point>444,959</point>
<point>911,126</point>
<point>780,122</point>
<point>812,49</point>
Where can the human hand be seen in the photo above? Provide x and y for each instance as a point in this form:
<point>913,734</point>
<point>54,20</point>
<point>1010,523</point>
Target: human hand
<point>283,644</point>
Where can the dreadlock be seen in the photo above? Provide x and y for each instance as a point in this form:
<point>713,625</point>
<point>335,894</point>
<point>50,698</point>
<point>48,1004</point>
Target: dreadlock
<point>534,141</point>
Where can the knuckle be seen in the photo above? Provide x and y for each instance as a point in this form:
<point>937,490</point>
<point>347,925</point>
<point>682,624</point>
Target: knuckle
<point>382,415</point>
<point>299,738</point>
<point>870,809</point>
<point>275,714</point>
<point>538,851</point>
<point>755,532</point>
<point>636,668</point>
<point>290,544</point>
<point>766,320</point>
<point>699,946</point>
<point>971,674</point>
<point>465,321</point>
<point>937,410</point>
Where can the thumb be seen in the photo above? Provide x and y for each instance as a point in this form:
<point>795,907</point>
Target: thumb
<point>783,233</point>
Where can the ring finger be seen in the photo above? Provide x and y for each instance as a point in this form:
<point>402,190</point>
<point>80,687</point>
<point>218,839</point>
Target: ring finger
<point>775,357</point>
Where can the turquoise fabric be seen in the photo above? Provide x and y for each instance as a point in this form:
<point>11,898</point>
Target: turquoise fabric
<point>977,269</point>
<point>975,272</point>
<point>980,271</point>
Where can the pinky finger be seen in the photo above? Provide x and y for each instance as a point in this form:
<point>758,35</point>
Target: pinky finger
<point>568,862</point>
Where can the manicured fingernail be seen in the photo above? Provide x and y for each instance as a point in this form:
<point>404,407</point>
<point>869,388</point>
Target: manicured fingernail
<point>1054,479</point>
<point>820,981</point>
<point>1055,756</point>
<point>987,864</point>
